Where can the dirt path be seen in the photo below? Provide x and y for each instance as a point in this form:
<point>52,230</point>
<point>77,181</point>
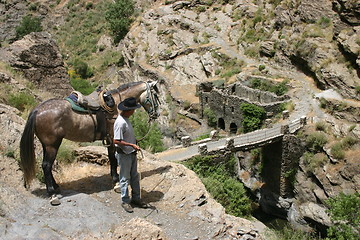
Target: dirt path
<point>90,209</point>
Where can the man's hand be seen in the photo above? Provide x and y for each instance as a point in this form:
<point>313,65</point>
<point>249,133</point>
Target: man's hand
<point>136,147</point>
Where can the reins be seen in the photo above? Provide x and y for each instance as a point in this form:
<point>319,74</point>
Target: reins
<point>150,98</point>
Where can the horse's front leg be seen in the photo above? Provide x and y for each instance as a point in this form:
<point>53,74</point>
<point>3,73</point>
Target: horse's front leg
<point>113,164</point>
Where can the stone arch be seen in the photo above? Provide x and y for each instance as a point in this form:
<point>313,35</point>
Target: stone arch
<point>233,128</point>
<point>221,123</point>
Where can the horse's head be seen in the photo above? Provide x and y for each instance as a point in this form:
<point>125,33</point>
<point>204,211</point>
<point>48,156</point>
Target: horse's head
<point>150,101</point>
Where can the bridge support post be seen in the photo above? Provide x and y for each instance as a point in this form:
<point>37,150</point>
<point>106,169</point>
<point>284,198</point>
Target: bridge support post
<point>303,120</point>
<point>285,129</point>
<point>202,149</point>
<point>229,143</point>
<point>186,141</point>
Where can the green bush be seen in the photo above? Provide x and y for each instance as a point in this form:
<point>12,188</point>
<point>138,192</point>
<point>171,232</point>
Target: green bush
<point>66,152</point>
<point>321,126</point>
<point>153,136</point>
<point>279,88</point>
<point>81,85</point>
<point>357,88</point>
<point>289,233</point>
<point>211,117</point>
<point>316,141</point>
<point>344,211</point>
<point>28,25</point>
<point>118,15</point>
<point>82,69</point>
<point>218,176</point>
<point>313,161</point>
<point>21,101</point>
<point>253,116</point>
<point>338,149</point>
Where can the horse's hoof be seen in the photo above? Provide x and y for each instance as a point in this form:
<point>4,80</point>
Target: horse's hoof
<point>117,188</point>
<point>54,200</point>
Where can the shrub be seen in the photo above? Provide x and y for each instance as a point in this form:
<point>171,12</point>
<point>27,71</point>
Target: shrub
<point>28,25</point>
<point>118,16</point>
<point>321,126</point>
<point>261,67</point>
<point>289,233</point>
<point>218,176</point>
<point>22,101</point>
<point>357,88</point>
<point>153,137</point>
<point>211,117</point>
<point>316,141</point>
<point>10,153</point>
<point>66,152</point>
<point>338,149</point>
<point>344,211</point>
<point>324,22</point>
<point>313,161</point>
<point>82,69</point>
<point>79,84</point>
<point>253,116</point>
<point>279,88</point>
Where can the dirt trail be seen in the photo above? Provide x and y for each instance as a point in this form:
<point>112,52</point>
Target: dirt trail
<point>90,209</point>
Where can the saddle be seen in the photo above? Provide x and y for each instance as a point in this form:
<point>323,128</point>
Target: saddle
<point>100,103</point>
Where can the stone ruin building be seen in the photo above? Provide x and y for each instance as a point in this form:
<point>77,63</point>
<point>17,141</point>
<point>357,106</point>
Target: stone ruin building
<point>225,102</point>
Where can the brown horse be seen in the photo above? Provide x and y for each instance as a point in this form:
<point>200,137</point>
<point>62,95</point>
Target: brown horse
<point>53,120</point>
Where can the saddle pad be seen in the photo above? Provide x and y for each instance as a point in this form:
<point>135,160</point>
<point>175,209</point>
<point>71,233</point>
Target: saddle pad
<point>76,107</point>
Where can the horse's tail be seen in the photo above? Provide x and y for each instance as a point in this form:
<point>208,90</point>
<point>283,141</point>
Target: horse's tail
<point>27,149</point>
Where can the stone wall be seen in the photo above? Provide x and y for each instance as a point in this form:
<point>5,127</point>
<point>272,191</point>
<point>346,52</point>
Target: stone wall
<point>226,102</point>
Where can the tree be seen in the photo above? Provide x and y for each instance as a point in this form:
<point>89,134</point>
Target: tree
<point>344,212</point>
<point>119,18</point>
<point>153,136</point>
<point>28,25</point>
<point>253,116</point>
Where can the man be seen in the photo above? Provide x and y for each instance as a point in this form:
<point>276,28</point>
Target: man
<point>126,149</point>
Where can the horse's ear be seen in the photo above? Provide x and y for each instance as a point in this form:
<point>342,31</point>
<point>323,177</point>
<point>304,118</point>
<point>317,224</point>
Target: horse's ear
<point>153,83</point>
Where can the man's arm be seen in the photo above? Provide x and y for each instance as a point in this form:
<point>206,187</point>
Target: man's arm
<point>123,143</point>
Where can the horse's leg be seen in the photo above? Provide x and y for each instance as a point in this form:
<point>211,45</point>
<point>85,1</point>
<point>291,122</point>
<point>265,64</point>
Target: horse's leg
<point>113,164</point>
<point>49,157</point>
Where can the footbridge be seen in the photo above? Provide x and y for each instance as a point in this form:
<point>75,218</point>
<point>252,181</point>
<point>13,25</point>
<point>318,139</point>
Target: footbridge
<point>243,142</point>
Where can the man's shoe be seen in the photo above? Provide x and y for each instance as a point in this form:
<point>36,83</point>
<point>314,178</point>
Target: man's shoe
<point>127,207</point>
<point>139,203</point>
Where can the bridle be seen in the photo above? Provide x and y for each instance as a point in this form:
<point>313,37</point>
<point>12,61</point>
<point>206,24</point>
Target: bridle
<point>152,100</point>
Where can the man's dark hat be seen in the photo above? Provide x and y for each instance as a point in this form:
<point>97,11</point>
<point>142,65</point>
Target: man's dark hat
<point>128,104</point>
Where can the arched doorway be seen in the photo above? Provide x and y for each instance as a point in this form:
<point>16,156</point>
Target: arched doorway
<point>233,128</point>
<point>221,124</point>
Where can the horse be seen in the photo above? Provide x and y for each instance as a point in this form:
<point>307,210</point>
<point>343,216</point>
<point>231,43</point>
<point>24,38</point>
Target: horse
<point>54,119</point>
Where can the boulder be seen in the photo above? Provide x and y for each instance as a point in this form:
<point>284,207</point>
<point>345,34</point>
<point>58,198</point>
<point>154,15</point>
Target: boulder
<point>38,57</point>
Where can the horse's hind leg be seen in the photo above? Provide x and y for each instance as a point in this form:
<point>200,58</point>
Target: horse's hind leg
<point>49,157</point>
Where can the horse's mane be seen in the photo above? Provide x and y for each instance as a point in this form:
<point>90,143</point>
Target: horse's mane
<point>125,86</point>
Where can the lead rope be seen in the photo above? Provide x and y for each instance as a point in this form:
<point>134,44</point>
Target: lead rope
<point>139,168</point>
<point>104,105</point>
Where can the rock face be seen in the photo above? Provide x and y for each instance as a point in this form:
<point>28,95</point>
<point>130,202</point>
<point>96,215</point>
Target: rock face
<point>187,45</point>
<point>12,127</point>
<point>39,58</point>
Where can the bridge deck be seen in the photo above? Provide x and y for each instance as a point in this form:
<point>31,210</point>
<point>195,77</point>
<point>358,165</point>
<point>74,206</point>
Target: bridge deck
<point>246,141</point>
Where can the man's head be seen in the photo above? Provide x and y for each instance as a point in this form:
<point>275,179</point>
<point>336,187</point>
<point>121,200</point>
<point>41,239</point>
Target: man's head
<point>129,104</point>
